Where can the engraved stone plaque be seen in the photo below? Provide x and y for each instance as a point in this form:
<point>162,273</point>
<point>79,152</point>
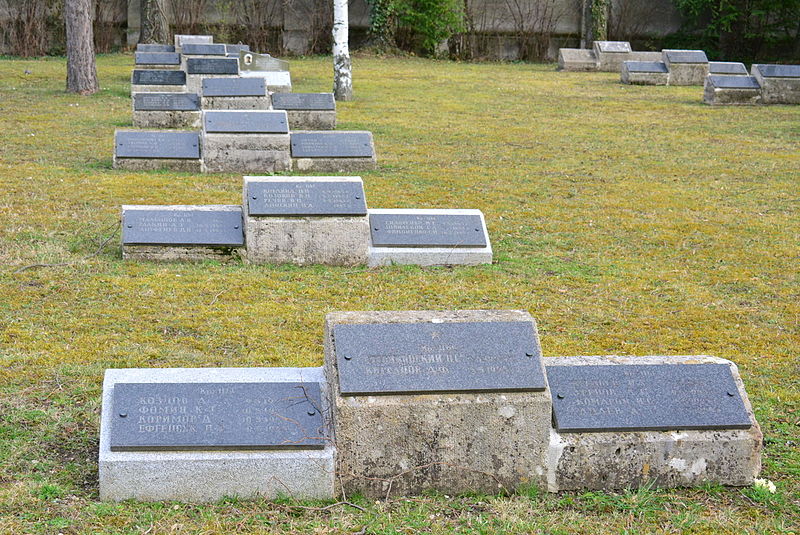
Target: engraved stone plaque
<point>157,58</point>
<point>331,145</point>
<point>235,49</point>
<point>155,144</point>
<point>212,66</point>
<point>166,102</point>
<point>686,56</point>
<point>392,358</point>
<point>181,40</point>
<point>295,198</point>
<point>196,226</point>
<point>614,46</point>
<point>427,230</point>
<point>202,49</point>
<point>303,101</point>
<point>726,67</point>
<point>216,416</point>
<point>261,122</point>
<point>252,61</point>
<point>734,82</point>
<point>646,66</point>
<point>158,77</point>
<point>234,87</point>
<point>641,397</point>
<point>145,47</point>
<point>779,71</point>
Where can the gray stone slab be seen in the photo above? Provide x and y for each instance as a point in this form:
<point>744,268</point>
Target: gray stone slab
<point>235,49</point>
<point>155,144</point>
<point>303,101</point>
<point>686,56</point>
<point>239,121</point>
<point>212,66</point>
<point>646,66</point>
<point>733,81</point>
<point>252,61</point>
<point>726,67</point>
<point>181,40</point>
<point>437,357</point>
<point>208,416</point>
<point>158,77</point>
<point>778,71</point>
<point>613,46</point>
<point>157,58</point>
<point>426,230</point>
<point>202,49</point>
<point>234,87</point>
<point>151,47</point>
<point>166,102</point>
<point>645,398</point>
<point>305,198</point>
<point>576,60</point>
<point>182,225</point>
<point>331,145</point>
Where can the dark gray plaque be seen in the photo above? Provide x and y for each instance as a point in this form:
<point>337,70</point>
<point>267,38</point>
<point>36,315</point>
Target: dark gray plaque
<point>157,58</point>
<point>614,46</point>
<point>686,56</point>
<point>331,145</point>
<point>202,49</point>
<point>235,49</point>
<point>427,230</point>
<point>154,144</point>
<point>641,397</point>
<point>303,101</point>
<point>234,87</point>
<point>166,102</point>
<point>252,61</point>
<point>212,66</point>
<point>147,47</point>
<point>141,226</point>
<point>261,122</point>
<point>216,416</point>
<point>646,66</point>
<point>293,198</point>
<point>726,67</point>
<point>779,71</point>
<point>158,77</point>
<point>734,82</point>
<point>391,358</point>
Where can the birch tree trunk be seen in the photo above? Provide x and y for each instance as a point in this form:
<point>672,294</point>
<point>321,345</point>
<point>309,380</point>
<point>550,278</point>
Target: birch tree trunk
<point>81,68</point>
<point>342,74</point>
<point>154,22</point>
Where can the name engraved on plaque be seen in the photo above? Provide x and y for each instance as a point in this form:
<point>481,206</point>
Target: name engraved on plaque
<point>157,58</point>
<point>150,144</point>
<point>686,56</point>
<point>203,49</point>
<point>191,416</point>
<point>614,46</point>
<point>263,122</point>
<point>437,357</point>
<point>166,102</point>
<point>723,81</point>
<point>303,101</point>
<point>646,66</point>
<point>629,397</point>
<point>331,145</point>
<point>779,71</point>
<point>427,230</point>
<point>306,198</point>
<point>142,226</point>
<point>726,67</point>
<point>149,47</point>
<point>212,66</point>
<point>158,77</point>
<point>234,87</point>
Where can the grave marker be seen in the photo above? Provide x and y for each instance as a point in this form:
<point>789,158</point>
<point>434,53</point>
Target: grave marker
<point>158,77</point>
<point>426,230</point>
<point>166,102</point>
<point>212,66</point>
<point>234,87</point>
<point>303,101</point>
<point>157,58</point>
<point>332,145</point>
<point>780,84</point>
<point>306,198</point>
<point>182,225</point>
<point>726,67</point>
<point>250,122</point>
<point>203,49</point>
<point>154,144</point>
<point>148,47</point>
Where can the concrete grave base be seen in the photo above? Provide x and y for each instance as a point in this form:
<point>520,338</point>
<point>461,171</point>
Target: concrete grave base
<point>312,119</point>
<point>723,96</point>
<point>246,153</point>
<point>643,78</point>
<point>403,445</point>
<point>175,253</point>
<point>151,164</point>
<point>687,73</point>
<point>684,458</point>
<point>334,165</point>
<point>138,88</point>
<point>202,476</point>
<point>236,103</point>
<point>644,56</point>
<point>166,119</point>
<point>777,90</point>
<point>576,60</point>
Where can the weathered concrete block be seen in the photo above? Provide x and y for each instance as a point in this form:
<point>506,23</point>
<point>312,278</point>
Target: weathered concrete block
<point>644,73</point>
<point>311,119</point>
<point>246,153</point>
<point>576,60</point>
<point>152,164</point>
<point>731,90</point>
<point>237,103</point>
<point>780,84</point>
<point>401,445</point>
<point>686,67</point>
<point>161,253</point>
<point>318,239</point>
<point>207,475</point>
<point>334,165</point>
<point>166,119</point>
<point>139,88</point>
<point>611,54</point>
<point>614,460</point>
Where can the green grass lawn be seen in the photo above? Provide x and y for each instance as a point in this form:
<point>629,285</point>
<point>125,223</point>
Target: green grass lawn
<point>626,220</point>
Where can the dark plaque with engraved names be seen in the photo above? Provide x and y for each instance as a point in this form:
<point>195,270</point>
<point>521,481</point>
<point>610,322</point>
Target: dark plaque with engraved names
<point>212,66</point>
<point>426,230</point>
<point>196,226</point>
<point>644,397</point>
<point>686,56</point>
<point>235,49</point>
<point>332,145</point>
<point>303,101</point>
<point>166,102</point>
<point>234,87</point>
<point>157,58</point>
<point>158,77</point>
<point>614,46</point>
<point>216,416</point>
<point>294,198</point>
<point>150,47</point>
<point>733,81</point>
<point>779,71</point>
<point>156,144</point>
<point>646,66</point>
<point>202,49</point>
<point>393,358</point>
<point>247,122</point>
<point>726,67</point>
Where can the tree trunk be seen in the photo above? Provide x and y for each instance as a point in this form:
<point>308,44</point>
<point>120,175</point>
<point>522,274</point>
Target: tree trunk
<point>155,28</point>
<point>594,21</point>
<point>342,75</point>
<point>81,69</point>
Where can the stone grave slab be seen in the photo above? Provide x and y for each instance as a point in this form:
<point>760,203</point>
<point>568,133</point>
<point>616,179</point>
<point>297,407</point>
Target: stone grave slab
<point>780,84</point>
<point>252,61</point>
<point>721,89</point>
<point>245,122</point>
<point>470,440</point>
<point>235,49</point>
<point>332,151</point>
<point>148,47</point>
<point>157,58</point>
<point>613,46</point>
<point>644,73</point>
<point>213,225</point>
<point>234,87</point>
<point>202,49</point>
<point>305,220</point>
<point>646,66</point>
<point>726,67</point>
<point>148,77</point>
<point>576,60</point>
<point>307,111</point>
<point>778,71</point>
<point>166,102</point>
<point>237,141</point>
<point>276,81</point>
<point>686,67</point>
<point>202,434</point>
<point>157,149</point>
<point>611,54</point>
<point>685,56</point>
<point>212,66</point>
<point>166,110</point>
<point>181,39</point>
<point>623,422</point>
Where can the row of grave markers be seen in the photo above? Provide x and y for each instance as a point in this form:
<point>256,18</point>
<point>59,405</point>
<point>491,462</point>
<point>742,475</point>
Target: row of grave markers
<point>413,401</point>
